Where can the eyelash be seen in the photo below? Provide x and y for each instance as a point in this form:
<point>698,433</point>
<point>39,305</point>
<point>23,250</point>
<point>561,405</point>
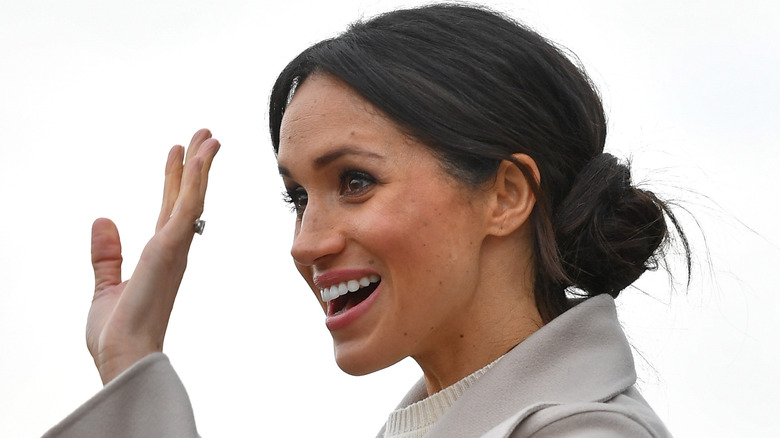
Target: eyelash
<point>296,197</point>
<point>292,197</point>
<point>350,175</point>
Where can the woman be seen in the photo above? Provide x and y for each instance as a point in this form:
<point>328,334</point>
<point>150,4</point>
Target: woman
<point>454,205</point>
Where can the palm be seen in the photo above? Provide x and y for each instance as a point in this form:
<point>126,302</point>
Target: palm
<point>99,321</point>
<point>128,319</point>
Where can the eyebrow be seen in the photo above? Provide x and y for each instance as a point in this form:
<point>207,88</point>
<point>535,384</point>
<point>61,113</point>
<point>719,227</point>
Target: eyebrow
<point>328,158</point>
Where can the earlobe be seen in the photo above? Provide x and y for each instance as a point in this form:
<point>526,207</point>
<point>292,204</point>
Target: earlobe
<point>513,194</point>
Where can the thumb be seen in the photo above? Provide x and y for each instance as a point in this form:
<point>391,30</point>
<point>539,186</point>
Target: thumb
<point>106,254</point>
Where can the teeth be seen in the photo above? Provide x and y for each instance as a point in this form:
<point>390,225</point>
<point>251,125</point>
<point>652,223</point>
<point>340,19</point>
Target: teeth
<point>337,290</point>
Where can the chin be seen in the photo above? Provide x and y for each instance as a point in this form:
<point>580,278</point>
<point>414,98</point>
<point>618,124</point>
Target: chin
<point>361,363</point>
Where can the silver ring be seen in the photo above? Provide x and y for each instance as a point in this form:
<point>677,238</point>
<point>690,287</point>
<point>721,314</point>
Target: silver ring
<point>199,225</point>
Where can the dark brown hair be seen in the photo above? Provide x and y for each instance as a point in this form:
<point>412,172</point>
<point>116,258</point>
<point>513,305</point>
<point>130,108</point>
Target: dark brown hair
<point>477,87</point>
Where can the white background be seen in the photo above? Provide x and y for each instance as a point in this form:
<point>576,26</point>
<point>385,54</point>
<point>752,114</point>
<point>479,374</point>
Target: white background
<point>93,93</point>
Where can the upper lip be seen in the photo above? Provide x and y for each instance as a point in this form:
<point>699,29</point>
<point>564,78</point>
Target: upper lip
<point>335,276</point>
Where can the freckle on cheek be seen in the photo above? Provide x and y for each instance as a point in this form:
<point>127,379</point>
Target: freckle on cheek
<point>370,261</point>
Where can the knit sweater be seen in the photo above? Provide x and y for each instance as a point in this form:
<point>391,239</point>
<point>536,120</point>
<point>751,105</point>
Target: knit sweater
<point>415,420</point>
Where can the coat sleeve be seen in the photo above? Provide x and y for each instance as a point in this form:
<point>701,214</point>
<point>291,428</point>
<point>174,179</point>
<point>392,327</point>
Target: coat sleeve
<point>147,399</point>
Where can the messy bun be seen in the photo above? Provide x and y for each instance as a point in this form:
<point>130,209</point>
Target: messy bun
<point>608,231</point>
<point>476,88</point>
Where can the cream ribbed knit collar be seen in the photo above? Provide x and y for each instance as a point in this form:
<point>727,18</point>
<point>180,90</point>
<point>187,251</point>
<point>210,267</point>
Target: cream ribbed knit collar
<point>415,420</point>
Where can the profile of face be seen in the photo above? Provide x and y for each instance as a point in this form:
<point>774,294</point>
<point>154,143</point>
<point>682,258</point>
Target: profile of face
<point>389,243</point>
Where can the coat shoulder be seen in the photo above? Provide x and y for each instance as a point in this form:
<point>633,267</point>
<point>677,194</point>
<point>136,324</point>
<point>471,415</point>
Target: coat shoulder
<point>622,416</point>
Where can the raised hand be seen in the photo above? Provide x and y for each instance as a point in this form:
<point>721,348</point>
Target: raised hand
<point>127,320</point>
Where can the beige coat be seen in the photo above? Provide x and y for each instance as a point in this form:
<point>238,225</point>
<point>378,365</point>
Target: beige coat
<point>572,378</point>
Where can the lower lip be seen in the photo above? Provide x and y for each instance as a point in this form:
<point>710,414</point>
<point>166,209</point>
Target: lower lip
<point>344,319</point>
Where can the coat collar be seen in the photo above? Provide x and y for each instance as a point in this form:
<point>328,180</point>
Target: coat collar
<point>580,356</point>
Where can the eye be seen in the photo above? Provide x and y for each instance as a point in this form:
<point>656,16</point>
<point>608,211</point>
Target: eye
<point>297,198</point>
<point>355,182</point>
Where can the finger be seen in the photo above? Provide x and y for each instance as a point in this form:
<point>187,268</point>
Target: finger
<point>192,191</point>
<point>173,171</point>
<point>189,205</point>
<point>106,254</point>
<point>197,139</point>
<point>208,151</point>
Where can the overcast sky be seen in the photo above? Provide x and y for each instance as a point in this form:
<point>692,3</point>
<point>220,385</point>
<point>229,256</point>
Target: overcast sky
<point>94,93</point>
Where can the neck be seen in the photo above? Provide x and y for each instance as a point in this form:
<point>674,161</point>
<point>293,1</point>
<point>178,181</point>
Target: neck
<point>501,315</point>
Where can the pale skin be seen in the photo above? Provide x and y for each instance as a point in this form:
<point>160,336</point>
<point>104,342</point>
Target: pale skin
<point>456,264</point>
<point>128,319</point>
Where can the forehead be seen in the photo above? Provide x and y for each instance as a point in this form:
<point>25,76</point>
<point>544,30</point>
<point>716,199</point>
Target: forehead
<point>326,112</point>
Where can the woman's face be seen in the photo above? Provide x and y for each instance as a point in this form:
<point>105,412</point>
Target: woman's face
<point>388,242</point>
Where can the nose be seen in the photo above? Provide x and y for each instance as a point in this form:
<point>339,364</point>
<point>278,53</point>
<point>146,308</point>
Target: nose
<point>317,236</point>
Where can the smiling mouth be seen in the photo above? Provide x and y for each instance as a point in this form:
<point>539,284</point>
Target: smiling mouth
<point>346,295</point>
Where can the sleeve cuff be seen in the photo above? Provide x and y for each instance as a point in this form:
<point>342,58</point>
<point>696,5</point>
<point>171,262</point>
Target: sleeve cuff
<point>147,399</point>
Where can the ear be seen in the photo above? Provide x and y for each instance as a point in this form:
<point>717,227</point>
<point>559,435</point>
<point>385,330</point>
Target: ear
<point>512,195</point>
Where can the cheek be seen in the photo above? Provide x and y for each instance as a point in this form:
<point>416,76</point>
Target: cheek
<point>307,274</point>
<point>444,246</point>
<point>428,236</point>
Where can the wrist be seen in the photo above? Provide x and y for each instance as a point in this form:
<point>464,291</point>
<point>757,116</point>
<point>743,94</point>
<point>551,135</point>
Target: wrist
<point>111,365</point>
